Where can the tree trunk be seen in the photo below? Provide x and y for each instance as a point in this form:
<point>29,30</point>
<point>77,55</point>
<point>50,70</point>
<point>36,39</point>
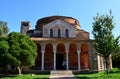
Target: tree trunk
<point>19,68</point>
<point>107,67</point>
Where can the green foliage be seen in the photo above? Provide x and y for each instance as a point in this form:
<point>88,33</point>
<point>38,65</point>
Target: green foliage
<point>17,50</point>
<point>116,58</point>
<point>102,31</point>
<point>3,28</point>
<point>106,44</point>
<point>22,48</point>
<point>4,48</point>
<point>25,76</point>
<point>115,70</point>
<point>113,74</point>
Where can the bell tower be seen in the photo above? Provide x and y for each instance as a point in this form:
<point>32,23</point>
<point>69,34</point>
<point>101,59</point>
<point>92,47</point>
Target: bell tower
<point>25,26</point>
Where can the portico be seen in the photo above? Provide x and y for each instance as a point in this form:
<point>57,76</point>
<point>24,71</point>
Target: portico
<point>54,53</point>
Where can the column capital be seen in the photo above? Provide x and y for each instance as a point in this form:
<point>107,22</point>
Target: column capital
<point>54,48</point>
<point>79,51</point>
<point>42,46</point>
<point>42,51</point>
<point>78,46</point>
<point>67,46</point>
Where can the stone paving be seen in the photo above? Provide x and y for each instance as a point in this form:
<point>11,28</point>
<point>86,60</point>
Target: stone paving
<point>62,74</point>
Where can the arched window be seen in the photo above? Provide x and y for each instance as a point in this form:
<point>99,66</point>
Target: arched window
<point>51,32</point>
<point>66,33</point>
<point>59,34</point>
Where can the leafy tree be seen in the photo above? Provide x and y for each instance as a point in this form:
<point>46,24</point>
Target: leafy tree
<point>17,50</point>
<point>116,58</point>
<point>106,44</point>
<point>4,48</point>
<point>5,57</point>
<point>22,50</point>
<point>3,28</point>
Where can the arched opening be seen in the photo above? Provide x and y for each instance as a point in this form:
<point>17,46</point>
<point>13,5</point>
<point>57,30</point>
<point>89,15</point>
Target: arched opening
<point>48,57</point>
<point>60,56</point>
<point>59,33</point>
<point>73,58</point>
<point>51,32</point>
<point>66,33</point>
<point>84,57</point>
<point>38,58</point>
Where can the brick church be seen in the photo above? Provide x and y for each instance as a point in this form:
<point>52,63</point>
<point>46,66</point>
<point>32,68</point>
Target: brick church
<point>62,44</point>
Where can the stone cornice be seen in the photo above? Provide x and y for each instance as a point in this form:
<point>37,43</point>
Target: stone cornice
<point>61,39</point>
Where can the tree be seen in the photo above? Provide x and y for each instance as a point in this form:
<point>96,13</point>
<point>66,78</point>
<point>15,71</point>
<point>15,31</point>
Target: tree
<point>106,44</point>
<point>22,50</point>
<point>3,28</point>
<point>4,48</point>
<point>17,50</point>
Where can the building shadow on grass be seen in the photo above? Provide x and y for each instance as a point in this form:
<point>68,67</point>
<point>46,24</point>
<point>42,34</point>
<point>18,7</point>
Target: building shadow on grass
<point>6,75</point>
<point>83,77</point>
<point>64,78</point>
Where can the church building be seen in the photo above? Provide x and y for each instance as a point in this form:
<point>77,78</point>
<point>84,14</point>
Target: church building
<point>62,44</point>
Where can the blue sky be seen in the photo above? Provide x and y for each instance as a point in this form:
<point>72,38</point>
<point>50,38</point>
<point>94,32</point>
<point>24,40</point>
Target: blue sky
<point>15,11</point>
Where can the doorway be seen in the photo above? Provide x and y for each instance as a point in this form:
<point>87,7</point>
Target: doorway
<point>59,61</point>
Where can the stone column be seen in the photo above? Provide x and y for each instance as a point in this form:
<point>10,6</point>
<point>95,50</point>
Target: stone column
<point>42,67</point>
<point>67,61</point>
<point>67,58</point>
<point>78,52</point>
<point>43,52</point>
<point>54,60</point>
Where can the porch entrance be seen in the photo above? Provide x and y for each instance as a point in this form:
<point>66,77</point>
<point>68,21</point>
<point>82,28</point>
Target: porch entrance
<point>59,61</point>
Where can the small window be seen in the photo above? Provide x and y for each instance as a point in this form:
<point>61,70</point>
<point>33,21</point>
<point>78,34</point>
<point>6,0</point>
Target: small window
<point>51,33</point>
<point>67,33</point>
<point>59,34</point>
<point>25,24</point>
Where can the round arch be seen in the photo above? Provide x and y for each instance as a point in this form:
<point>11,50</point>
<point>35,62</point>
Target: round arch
<point>73,58</point>
<point>60,48</point>
<point>48,57</point>
<point>84,56</point>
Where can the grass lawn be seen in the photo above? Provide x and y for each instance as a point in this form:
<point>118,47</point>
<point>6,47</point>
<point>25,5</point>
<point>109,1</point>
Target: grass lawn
<point>113,74</point>
<point>25,76</point>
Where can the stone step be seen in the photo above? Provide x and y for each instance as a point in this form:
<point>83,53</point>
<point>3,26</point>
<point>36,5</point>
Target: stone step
<point>61,74</point>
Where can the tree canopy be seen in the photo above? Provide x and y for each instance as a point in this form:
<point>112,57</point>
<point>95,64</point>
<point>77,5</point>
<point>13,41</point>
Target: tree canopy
<point>18,50</point>
<point>3,28</point>
<point>4,48</point>
<point>102,31</point>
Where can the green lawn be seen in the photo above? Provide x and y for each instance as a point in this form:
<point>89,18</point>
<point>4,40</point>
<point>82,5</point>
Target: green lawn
<point>113,74</point>
<point>25,76</point>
